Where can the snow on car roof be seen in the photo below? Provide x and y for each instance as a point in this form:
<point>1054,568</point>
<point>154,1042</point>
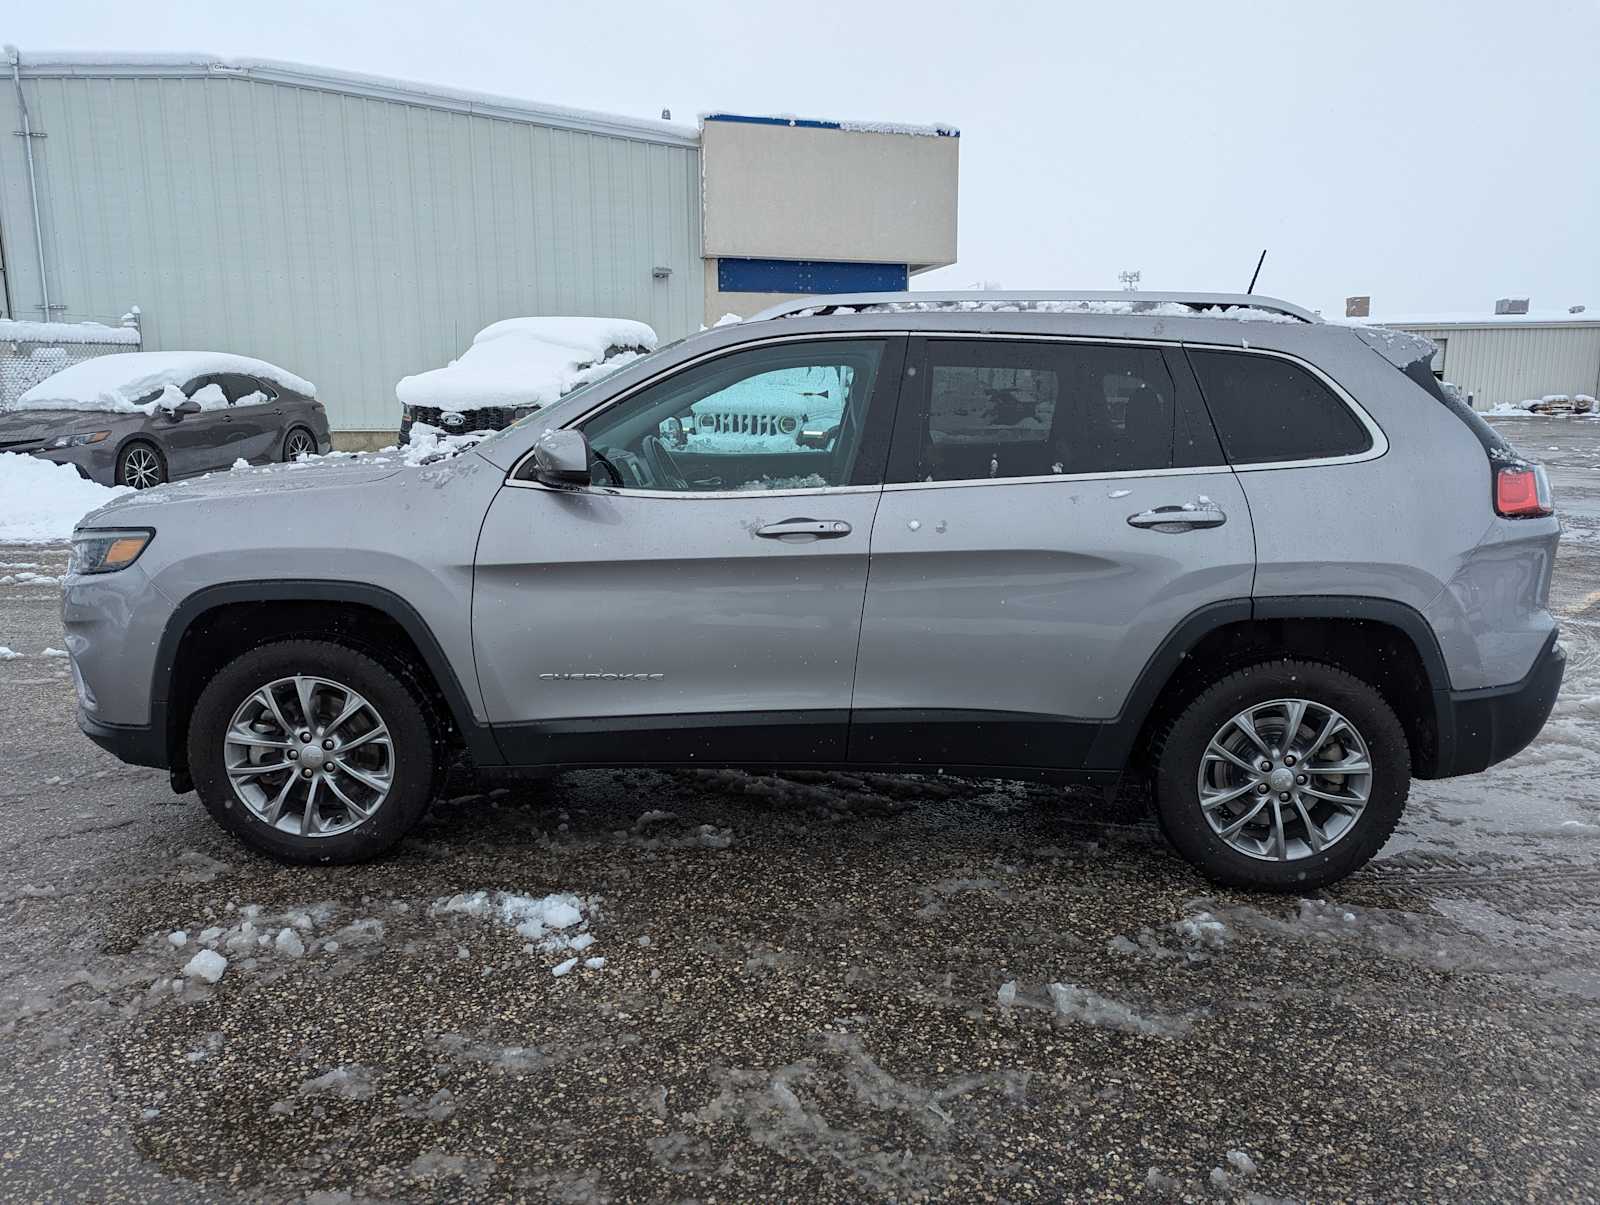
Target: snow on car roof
<point>116,382</point>
<point>528,362</point>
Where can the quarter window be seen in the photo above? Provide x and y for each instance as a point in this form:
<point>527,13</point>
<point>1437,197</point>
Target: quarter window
<point>996,409</point>
<point>788,416</point>
<point>1268,410</point>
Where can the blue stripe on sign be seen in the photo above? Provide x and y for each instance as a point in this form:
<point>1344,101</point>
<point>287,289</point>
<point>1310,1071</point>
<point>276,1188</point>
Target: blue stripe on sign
<point>808,276</point>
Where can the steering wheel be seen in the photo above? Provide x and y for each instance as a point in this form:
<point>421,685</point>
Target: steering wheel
<point>662,467</point>
<point>611,469</point>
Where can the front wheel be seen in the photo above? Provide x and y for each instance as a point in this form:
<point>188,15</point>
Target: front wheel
<point>1284,776</point>
<point>312,752</point>
<point>141,465</point>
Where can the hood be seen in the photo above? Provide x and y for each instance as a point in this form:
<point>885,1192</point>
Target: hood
<point>17,426</point>
<point>260,486</point>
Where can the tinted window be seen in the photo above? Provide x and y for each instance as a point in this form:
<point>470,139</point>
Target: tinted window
<point>1037,409</point>
<point>1266,410</point>
<point>788,416</point>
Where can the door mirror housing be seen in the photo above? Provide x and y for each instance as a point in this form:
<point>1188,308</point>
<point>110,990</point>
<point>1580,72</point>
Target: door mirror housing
<point>185,408</point>
<point>562,458</point>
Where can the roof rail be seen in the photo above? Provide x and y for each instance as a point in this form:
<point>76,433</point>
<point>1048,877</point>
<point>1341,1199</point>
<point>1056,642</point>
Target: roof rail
<point>1139,301</point>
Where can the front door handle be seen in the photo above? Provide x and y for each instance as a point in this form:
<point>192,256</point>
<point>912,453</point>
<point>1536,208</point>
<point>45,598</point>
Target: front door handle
<point>1174,519</point>
<point>794,530</point>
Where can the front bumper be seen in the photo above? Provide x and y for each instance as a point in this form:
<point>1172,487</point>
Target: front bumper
<point>1480,728</point>
<point>136,744</point>
<point>94,462</point>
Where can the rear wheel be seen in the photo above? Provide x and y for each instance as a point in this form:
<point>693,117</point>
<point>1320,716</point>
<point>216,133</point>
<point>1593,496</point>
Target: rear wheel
<point>141,465</point>
<point>1286,775</point>
<point>312,752</point>
<point>299,442</point>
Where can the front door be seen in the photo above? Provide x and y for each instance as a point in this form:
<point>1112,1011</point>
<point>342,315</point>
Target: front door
<point>1054,510</point>
<point>701,601</point>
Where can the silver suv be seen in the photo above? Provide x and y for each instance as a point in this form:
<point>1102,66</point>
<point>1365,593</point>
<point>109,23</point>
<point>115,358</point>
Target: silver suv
<point>1254,558</point>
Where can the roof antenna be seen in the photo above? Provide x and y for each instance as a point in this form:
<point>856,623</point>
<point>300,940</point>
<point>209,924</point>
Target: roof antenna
<point>1257,272</point>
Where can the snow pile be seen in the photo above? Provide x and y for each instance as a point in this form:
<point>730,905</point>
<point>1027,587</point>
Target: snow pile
<point>118,382</point>
<point>1202,930</point>
<point>550,924</point>
<point>428,445</point>
<point>29,578</point>
<point>41,500</point>
<point>1507,410</point>
<point>14,331</point>
<point>529,362</point>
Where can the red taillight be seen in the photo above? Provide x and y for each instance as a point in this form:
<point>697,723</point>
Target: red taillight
<point>1522,492</point>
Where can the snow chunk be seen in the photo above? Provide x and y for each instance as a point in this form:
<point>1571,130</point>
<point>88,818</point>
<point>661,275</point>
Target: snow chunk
<point>51,652</point>
<point>529,362</point>
<point>429,445</point>
<point>43,501</point>
<point>178,939</point>
<point>594,964</point>
<point>564,968</point>
<point>289,943</point>
<point>119,383</point>
<point>207,965</point>
<point>8,654</point>
<point>1007,995</point>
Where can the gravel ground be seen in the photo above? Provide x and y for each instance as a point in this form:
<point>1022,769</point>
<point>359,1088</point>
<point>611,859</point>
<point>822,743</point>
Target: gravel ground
<point>815,987</point>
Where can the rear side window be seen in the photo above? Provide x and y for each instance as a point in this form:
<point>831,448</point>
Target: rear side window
<point>997,409</point>
<point>1268,410</point>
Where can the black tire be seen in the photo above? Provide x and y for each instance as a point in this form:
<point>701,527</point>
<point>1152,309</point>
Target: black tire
<point>1178,752</point>
<point>415,766</point>
<point>142,447</point>
<point>289,438</point>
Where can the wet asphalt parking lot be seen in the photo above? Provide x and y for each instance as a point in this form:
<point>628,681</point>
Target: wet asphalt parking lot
<point>814,987</point>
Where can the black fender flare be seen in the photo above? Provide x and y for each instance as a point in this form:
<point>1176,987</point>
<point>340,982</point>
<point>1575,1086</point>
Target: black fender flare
<point>1114,744</point>
<point>478,737</point>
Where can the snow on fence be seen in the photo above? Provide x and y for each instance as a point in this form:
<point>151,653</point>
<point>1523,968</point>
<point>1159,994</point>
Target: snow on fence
<point>32,351</point>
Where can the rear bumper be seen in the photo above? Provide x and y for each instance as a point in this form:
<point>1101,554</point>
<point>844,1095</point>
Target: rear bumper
<point>1478,728</point>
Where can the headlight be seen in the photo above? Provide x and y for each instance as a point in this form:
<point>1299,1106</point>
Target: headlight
<point>787,425</point>
<point>107,551</point>
<point>76,441</point>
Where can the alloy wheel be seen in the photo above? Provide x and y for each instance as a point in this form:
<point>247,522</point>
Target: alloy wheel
<point>309,756</point>
<point>141,468</point>
<point>299,444</point>
<point>1285,780</point>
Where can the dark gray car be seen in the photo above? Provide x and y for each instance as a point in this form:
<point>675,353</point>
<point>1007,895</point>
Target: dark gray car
<point>142,418</point>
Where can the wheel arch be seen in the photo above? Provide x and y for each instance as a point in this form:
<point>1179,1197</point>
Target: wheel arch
<point>1383,642</point>
<point>217,623</point>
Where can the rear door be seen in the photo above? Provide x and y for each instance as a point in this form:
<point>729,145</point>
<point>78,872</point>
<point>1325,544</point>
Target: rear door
<point>1054,510</point>
<point>694,605</point>
<point>256,426</point>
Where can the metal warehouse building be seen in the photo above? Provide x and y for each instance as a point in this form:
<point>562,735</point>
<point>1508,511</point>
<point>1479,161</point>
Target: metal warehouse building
<point>1515,357</point>
<point>356,230</point>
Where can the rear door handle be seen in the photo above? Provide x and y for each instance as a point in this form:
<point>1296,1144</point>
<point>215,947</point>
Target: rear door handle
<point>804,529</point>
<point>1174,519</point>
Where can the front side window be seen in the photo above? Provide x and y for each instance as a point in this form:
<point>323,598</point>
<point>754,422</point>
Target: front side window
<point>996,409</point>
<point>1269,410</point>
<point>787,416</point>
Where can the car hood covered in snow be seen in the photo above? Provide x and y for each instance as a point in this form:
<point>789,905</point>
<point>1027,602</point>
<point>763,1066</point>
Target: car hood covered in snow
<point>529,362</point>
<point>117,382</point>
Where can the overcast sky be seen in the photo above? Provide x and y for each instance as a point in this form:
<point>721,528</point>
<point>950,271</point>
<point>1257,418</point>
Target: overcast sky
<point>1435,155</point>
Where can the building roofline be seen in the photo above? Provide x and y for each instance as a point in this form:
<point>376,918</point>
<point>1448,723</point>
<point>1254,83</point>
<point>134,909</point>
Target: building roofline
<point>196,65</point>
<point>1486,321</point>
<point>848,127</point>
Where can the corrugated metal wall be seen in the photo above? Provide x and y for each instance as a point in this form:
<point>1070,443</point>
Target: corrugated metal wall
<point>1513,363</point>
<point>350,238</point>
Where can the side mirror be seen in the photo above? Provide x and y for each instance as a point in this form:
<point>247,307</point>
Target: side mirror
<point>562,458</point>
<point>185,408</point>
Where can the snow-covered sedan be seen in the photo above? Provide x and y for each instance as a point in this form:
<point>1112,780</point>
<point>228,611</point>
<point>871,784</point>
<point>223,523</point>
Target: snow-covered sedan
<point>142,418</point>
<point>517,366</point>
